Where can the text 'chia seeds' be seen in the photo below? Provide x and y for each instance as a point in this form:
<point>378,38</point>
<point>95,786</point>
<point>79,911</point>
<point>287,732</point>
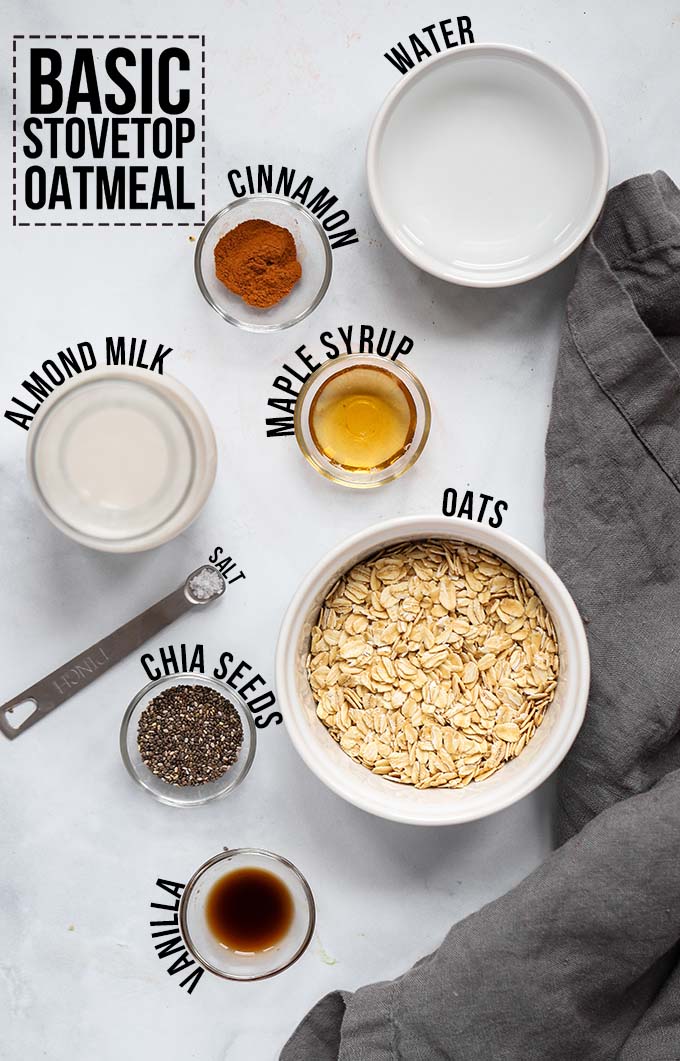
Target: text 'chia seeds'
<point>189,735</point>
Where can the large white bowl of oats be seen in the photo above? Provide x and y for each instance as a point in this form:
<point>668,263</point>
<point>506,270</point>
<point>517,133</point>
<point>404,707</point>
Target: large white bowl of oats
<point>432,671</point>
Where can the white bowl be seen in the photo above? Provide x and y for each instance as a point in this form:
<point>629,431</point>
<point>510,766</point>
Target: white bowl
<point>487,165</point>
<point>404,803</point>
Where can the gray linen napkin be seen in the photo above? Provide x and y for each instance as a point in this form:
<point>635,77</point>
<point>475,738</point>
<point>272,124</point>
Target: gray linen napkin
<point>581,961</point>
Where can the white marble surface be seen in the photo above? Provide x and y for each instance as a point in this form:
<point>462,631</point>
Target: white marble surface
<point>80,847</point>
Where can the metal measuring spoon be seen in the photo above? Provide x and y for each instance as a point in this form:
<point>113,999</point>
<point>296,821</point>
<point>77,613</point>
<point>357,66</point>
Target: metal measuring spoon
<point>200,588</point>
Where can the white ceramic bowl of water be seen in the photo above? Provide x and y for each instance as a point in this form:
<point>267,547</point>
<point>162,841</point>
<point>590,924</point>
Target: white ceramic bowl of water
<point>487,165</point>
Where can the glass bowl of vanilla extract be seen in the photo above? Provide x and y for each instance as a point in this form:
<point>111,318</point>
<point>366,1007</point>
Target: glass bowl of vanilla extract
<point>247,914</point>
<point>362,420</point>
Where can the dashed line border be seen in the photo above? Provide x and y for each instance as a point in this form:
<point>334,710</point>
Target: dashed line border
<point>100,37</point>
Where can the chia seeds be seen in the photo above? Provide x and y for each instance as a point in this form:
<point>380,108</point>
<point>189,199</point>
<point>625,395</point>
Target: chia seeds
<point>189,735</point>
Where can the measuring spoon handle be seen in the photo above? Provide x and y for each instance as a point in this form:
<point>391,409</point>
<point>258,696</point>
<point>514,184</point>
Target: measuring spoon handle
<point>84,668</point>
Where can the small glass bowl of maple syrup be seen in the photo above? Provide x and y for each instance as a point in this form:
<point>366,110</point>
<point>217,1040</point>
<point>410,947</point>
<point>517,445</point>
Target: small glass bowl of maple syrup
<point>362,420</point>
<point>247,914</point>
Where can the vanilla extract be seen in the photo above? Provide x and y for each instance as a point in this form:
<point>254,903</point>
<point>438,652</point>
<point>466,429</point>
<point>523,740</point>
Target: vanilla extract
<point>249,910</point>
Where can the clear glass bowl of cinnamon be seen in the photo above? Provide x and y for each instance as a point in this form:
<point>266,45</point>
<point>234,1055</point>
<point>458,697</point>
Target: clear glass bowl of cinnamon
<point>263,263</point>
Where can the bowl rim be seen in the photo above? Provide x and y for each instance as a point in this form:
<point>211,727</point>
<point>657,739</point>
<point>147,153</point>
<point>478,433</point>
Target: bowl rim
<point>249,734</point>
<point>202,438</point>
<point>227,853</point>
<point>429,263</point>
<point>343,477</point>
<point>233,205</point>
<point>382,535</point>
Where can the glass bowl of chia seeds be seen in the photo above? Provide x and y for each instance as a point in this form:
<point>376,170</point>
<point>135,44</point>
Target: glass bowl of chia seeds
<point>187,739</point>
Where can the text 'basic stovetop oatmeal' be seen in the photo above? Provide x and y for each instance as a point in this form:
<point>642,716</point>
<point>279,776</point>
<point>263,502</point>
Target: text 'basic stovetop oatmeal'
<point>433,663</point>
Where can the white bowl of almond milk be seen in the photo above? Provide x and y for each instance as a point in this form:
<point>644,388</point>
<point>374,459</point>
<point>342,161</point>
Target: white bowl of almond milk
<point>120,460</point>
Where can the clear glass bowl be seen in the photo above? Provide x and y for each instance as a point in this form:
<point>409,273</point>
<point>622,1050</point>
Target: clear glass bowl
<point>239,965</point>
<point>178,472</point>
<point>374,476</point>
<point>189,795</point>
<point>313,251</point>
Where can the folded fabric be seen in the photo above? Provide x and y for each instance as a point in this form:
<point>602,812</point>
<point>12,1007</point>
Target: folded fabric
<point>581,960</point>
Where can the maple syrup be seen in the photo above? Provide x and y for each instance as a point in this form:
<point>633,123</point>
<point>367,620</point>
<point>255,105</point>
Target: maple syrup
<point>363,418</point>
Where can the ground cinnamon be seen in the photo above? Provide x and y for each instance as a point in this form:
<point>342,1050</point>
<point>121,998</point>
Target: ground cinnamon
<point>258,261</point>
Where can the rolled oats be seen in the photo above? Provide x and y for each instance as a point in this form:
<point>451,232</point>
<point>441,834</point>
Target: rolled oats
<point>433,663</point>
